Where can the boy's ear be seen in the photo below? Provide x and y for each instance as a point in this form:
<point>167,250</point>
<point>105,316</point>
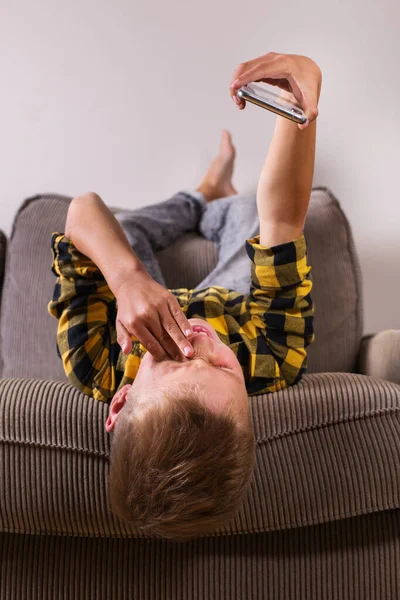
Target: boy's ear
<point>117,403</point>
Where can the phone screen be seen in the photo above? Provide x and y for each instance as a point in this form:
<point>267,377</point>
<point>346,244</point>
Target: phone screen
<point>266,98</point>
<point>268,94</point>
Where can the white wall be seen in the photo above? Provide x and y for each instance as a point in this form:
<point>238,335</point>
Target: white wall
<point>75,116</point>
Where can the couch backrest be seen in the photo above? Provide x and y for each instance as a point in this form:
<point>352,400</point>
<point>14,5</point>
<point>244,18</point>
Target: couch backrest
<point>28,332</point>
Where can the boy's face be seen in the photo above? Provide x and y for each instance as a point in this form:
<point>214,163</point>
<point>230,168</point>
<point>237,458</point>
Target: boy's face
<point>213,364</point>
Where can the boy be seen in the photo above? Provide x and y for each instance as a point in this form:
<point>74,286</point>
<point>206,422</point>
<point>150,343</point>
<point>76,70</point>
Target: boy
<point>183,447</point>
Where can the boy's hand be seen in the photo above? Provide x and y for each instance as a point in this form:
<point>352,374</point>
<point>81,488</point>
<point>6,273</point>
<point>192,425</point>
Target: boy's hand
<point>295,74</point>
<point>152,314</point>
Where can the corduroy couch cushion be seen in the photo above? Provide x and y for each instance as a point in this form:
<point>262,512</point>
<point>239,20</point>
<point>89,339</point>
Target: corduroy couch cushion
<point>352,559</point>
<point>28,332</point>
<point>317,458</point>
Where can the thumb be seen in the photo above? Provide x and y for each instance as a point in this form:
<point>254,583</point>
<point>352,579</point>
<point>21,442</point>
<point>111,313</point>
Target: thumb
<point>123,338</point>
<point>304,125</point>
<point>310,109</point>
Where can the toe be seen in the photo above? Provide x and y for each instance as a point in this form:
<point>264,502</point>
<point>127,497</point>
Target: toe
<point>226,137</point>
<point>226,147</point>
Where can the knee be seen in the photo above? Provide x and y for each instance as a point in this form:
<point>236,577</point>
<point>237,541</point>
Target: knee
<point>87,197</point>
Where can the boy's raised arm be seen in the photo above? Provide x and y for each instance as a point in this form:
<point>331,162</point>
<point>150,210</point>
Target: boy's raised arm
<point>285,183</point>
<point>279,303</point>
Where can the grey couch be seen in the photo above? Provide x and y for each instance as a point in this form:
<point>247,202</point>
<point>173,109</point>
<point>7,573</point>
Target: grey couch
<point>321,519</point>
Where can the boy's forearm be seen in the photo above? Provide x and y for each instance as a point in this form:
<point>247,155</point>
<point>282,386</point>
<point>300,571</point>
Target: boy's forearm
<point>96,233</point>
<point>285,183</point>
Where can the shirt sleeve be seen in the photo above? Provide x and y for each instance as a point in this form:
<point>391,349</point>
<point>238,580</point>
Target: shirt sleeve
<point>281,312</point>
<point>86,311</point>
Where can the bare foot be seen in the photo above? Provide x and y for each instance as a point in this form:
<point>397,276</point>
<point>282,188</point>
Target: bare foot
<point>217,182</point>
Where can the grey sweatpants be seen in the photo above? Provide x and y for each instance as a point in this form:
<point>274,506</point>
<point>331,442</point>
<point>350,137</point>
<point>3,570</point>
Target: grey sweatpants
<point>227,221</point>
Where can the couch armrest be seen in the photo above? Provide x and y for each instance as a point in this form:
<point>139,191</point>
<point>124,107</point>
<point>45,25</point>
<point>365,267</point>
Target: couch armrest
<point>380,355</point>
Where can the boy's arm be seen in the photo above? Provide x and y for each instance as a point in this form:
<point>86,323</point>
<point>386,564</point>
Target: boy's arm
<point>285,183</point>
<point>85,309</point>
<point>279,302</point>
<point>146,309</point>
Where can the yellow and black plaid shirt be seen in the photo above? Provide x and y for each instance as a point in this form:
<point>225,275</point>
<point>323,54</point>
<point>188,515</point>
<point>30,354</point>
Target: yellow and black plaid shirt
<point>268,329</point>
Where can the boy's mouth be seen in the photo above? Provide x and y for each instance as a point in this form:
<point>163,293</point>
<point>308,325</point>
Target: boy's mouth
<point>199,329</point>
<point>201,326</point>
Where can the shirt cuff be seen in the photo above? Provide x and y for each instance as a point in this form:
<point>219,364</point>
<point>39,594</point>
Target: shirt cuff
<point>278,266</point>
<point>69,262</point>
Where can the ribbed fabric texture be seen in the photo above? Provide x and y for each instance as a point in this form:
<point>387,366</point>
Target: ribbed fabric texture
<point>327,449</point>
<point>353,559</point>
<point>29,285</point>
<point>27,331</point>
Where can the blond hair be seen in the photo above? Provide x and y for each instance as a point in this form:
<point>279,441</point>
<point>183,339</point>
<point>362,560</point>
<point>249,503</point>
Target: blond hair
<point>179,470</point>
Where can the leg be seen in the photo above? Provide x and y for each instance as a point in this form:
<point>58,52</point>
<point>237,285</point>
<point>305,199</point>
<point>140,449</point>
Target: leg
<point>229,222</point>
<point>153,228</point>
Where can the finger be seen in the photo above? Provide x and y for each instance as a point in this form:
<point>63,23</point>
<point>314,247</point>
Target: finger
<point>179,317</point>
<point>158,331</point>
<point>249,64</point>
<point>258,72</point>
<point>124,339</point>
<point>183,329</point>
<point>171,337</point>
<point>150,342</point>
<point>240,102</point>
<point>169,346</point>
<point>237,72</point>
<point>266,69</point>
<point>307,96</point>
<point>264,61</point>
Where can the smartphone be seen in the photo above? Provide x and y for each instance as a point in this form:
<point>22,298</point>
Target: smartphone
<point>264,97</point>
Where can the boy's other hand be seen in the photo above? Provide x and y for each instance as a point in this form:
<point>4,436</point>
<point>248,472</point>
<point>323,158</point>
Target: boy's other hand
<point>152,314</point>
<point>295,74</point>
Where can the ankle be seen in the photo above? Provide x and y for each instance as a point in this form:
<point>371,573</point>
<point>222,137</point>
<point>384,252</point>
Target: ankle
<point>207,190</point>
